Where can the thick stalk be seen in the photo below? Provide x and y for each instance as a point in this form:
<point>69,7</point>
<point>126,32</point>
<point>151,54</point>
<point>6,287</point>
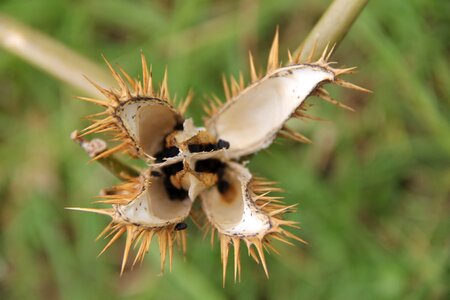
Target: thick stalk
<point>51,56</point>
<point>331,28</point>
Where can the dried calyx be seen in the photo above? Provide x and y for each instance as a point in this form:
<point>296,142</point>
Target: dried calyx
<point>188,162</point>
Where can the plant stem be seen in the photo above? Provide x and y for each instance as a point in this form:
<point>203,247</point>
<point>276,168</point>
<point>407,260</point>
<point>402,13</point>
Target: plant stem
<point>331,28</point>
<point>111,163</point>
<point>51,56</point>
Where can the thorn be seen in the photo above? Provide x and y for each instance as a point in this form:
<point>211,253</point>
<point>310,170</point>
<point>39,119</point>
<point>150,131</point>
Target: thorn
<point>253,75</point>
<point>224,250</point>
<point>281,210</point>
<point>234,86</point>
<point>162,240</point>
<point>130,80</point>
<point>106,212</point>
<point>344,71</point>
<point>323,94</point>
<point>293,236</point>
<point>170,244</point>
<point>252,253</point>
<point>291,134</point>
<point>118,78</point>
<point>279,238</point>
<point>327,58</point>
<point>299,54</point>
<point>145,75</point>
<point>313,51</point>
<point>291,60</point>
<point>352,86</point>
<point>164,91</point>
<point>108,94</point>
<point>237,264</point>
<point>112,240</point>
<point>182,108</point>
<point>95,101</point>
<point>104,231</point>
<point>273,61</point>
<point>260,250</point>
<point>322,60</point>
<point>126,251</point>
<point>226,88</point>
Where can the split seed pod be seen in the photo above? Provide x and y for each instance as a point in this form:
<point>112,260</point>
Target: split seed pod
<point>186,163</point>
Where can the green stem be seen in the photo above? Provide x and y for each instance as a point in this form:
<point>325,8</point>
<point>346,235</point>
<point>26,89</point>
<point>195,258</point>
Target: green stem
<point>331,28</point>
<point>51,56</point>
<point>111,163</point>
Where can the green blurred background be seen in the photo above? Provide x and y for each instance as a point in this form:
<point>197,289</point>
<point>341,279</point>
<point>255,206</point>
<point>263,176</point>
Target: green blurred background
<point>373,190</point>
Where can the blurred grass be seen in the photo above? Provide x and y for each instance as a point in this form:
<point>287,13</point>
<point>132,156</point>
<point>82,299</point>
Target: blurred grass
<point>373,190</point>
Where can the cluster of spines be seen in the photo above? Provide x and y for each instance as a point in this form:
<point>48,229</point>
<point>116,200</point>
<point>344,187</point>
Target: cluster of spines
<point>139,237</point>
<point>273,207</point>
<point>129,89</point>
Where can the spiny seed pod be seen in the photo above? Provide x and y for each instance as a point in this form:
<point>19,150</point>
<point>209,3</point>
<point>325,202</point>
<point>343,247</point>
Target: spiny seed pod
<point>186,163</point>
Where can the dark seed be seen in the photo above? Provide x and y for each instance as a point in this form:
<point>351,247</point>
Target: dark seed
<point>209,165</point>
<point>195,148</point>
<point>159,157</point>
<point>223,186</point>
<point>155,174</point>
<point>208,147</point>
<point>179,126</point>
<point>173,169</point>
<point>171,152</point>
<point>166,153</point>
<point>180,226</point>
<point>221,144</point>
<point>173,192</point>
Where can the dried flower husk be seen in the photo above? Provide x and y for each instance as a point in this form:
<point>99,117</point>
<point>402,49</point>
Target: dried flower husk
<point>143,208</point>
<point>240,208</point>
<point>139,117</point>
<point>253,116</point>
<point>188,162</point>
<point>252,120</point>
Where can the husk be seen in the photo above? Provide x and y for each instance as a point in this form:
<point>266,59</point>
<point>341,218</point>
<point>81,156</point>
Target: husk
<point>138,116</point>
<point>142,209</point>
<point>246,213</point>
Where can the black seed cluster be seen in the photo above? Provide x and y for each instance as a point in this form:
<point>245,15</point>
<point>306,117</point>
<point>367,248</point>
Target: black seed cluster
<point>209,165</point>
<point>212,165</point>
<point>223,186</point>
<point>178,126</point>
<point>221,144</point>
<point>155,174</point>
<point>173,192</point>
<point>166,153</point>
<point>180,226</point>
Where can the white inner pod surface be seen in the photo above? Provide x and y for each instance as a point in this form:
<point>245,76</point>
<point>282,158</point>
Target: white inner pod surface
<point>251,120</point>
<point>148,121</point>
<point>234,212</point>
<point>154,208</point>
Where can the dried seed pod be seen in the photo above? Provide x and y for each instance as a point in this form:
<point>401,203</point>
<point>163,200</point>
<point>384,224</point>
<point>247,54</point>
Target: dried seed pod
<point>238,213</point>
<point>253,116</point>
<point>252,120</point>
<point>143,207</point>
<point>147,122</point>
<point>188,161</point>
<point>140,117</point>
